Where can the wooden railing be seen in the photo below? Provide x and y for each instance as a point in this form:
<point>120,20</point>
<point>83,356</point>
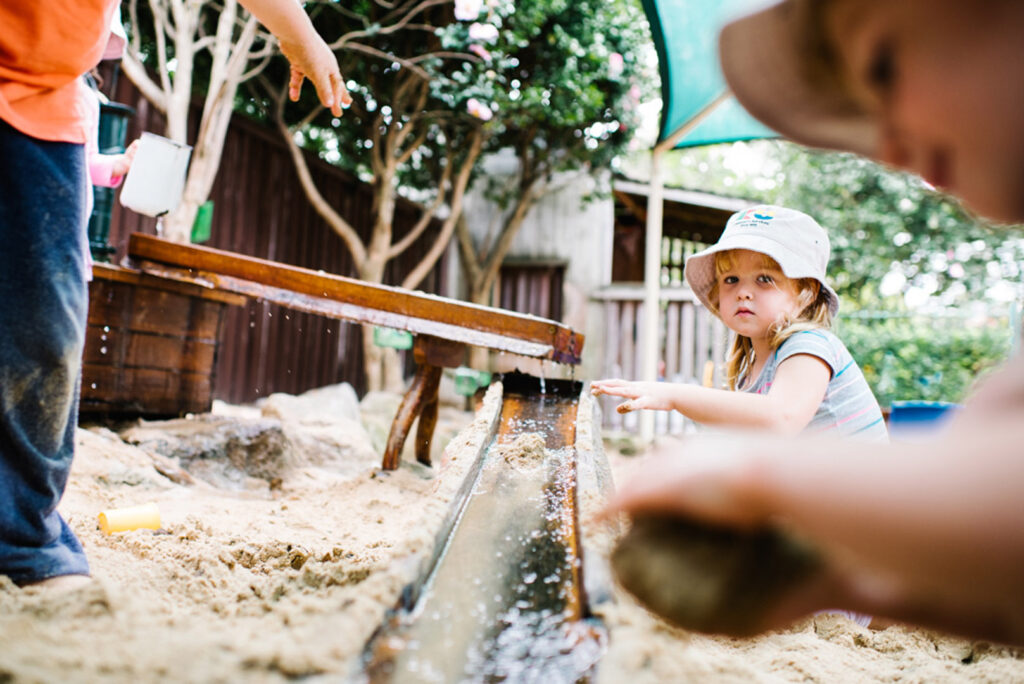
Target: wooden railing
<point>693,341</point>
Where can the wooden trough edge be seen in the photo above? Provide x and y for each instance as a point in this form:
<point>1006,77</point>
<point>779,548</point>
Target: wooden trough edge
<point>416,312</point>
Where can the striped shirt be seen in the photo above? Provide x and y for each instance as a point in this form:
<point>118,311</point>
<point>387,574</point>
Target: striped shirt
<point>849,409</point>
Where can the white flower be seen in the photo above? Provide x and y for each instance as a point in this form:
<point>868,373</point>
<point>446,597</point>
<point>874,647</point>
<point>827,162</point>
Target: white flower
<point>479,109</point>
<point>487,33</point>
<point>467,10</point>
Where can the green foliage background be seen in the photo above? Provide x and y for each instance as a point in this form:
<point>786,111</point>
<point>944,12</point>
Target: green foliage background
<point>924,358</point>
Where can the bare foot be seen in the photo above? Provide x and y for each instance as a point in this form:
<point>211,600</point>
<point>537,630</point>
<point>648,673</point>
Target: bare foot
<point>62,583</point>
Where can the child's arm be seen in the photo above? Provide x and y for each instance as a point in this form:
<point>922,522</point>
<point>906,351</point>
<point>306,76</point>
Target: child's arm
<point>796,392</point>
<point>930,532</point>
<point>309,55</point>
<point>108,170</point>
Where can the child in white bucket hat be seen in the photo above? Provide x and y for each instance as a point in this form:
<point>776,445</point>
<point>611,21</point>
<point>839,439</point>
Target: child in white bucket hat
<point>929,532</point>
<point>765,279</point>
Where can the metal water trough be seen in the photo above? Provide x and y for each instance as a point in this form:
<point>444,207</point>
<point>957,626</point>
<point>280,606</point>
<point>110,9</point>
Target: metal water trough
<point>504,597</point>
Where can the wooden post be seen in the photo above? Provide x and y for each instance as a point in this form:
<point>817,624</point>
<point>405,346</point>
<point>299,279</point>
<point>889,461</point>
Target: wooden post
<point>428,416</point>
<point>431,355</point>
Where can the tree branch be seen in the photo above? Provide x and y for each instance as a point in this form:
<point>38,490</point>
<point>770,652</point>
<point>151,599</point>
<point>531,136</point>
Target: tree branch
<point>426,264</point>
<point>508,233</point>
<point>464,56</point>
<point>161,47</point>
<point>136,73</point>
<point>359,47</point>
<point>339,225</point>
<point>424,220</point>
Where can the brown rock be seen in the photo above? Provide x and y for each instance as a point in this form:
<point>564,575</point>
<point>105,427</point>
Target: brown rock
<point>710,579</point>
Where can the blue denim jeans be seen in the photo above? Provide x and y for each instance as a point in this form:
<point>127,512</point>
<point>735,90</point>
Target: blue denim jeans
<point>43,301</point>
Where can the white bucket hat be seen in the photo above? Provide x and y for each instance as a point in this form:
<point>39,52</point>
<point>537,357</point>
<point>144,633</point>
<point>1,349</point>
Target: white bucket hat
<point>776,63</point>
<point>795,240</point>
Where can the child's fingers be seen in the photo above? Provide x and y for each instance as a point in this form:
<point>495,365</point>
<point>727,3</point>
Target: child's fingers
<point>324,82</point>
<point>341,94</point>
<point>615,388</point>
<point>295,84</point>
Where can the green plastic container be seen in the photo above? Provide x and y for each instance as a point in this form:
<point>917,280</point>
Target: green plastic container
<point>468,381</point>
<point>392,338</point>
<point>114,120</point>
<point>202,227</point>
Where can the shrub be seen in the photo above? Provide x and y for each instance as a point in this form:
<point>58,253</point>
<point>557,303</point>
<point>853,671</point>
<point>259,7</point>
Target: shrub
<point>923,358</point>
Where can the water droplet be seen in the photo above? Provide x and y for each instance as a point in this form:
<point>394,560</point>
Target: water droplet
<point>93,385</point>
<point>103,350</point>
<point>106,328</point>
<point>529,578</point>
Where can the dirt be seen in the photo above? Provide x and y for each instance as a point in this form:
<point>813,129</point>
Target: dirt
<point>824,648</point>
<point>282,546</point>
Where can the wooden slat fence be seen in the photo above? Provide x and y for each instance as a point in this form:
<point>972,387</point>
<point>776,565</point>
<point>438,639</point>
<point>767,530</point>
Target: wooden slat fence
<point>532,288</point>
<point>690,337</point>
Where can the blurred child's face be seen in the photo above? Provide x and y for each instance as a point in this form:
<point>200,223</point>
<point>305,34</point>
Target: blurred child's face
<point>753,293</point>
<point>946,78</point>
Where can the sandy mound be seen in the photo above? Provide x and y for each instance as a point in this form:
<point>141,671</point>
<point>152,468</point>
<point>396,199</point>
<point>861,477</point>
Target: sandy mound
<point>283,545</point>
<point>825,648</point>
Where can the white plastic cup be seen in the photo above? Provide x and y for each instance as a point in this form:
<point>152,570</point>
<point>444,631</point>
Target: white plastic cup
<point>156,179</point>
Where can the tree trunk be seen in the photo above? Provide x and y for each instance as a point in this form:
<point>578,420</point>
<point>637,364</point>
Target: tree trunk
<point>479,357</point>
<point>230,57</point>
<point>382,365</point>
<point>483,266</point>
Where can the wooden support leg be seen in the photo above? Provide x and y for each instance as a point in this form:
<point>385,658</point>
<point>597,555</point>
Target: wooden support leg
<point>411,406</point>
<point>431,354</point>
<point>428,415</point>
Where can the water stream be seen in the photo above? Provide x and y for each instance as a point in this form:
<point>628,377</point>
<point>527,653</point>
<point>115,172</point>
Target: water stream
<point>505,599</point>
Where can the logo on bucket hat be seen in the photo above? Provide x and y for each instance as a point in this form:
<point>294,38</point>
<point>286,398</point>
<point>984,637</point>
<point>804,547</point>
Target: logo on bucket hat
<point>762,213</point>
<point>795,241</point>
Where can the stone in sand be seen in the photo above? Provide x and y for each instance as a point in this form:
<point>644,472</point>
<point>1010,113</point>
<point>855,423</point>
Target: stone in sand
<point>710,579</point>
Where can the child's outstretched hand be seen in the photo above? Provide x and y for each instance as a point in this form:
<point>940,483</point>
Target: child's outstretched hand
<point>656,396</point>
<point>313,59</point>
<point>310,57</point>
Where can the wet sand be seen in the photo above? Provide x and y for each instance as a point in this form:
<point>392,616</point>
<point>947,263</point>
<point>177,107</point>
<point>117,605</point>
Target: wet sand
<point>281,551</point>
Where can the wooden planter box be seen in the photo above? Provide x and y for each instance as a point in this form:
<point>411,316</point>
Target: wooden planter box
<point>150,345</point>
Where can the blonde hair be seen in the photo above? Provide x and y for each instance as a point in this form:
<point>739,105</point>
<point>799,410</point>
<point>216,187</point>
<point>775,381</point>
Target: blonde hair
<point>814,314</point>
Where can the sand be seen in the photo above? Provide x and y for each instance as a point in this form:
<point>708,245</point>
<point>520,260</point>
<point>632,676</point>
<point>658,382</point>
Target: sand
<point>283,545</point>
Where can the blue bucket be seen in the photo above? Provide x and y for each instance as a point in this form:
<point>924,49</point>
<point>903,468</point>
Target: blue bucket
<point>918,418</point>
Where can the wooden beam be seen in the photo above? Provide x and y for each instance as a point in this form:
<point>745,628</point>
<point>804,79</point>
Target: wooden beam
<point>354,300</point>
<point>120,274</point>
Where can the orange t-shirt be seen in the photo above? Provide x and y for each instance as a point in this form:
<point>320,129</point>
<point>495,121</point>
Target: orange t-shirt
<point>45,46</point>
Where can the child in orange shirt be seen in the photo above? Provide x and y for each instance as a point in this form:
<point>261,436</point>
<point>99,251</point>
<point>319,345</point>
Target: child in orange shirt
<point>45,47</point>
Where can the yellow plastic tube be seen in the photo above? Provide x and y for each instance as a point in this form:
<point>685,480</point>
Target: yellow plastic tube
<point>146,516</point>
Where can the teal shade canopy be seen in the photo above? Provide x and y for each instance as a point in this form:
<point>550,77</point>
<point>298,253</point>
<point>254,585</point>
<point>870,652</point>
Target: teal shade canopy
<point>686,37</point>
